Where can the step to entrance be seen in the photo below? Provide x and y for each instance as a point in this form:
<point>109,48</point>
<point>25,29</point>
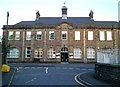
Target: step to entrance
<point>64,62</point>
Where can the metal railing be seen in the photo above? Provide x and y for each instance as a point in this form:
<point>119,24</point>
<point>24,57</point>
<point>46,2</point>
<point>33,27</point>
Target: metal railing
<point>110,56</point>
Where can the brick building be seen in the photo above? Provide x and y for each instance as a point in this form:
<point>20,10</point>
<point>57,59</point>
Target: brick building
<point>60,39</point>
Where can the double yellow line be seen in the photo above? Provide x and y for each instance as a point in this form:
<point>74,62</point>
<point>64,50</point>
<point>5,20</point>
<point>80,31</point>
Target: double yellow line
<point>78,80</point>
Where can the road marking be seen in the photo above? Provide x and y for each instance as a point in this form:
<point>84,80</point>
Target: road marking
<point>39,67</point>
<point>26,67</point>
<point>12,77</point>
<point>64,68</point>
<point>20,67</point>
<point>30,80</point>
<point>46,70</point>
<point>83,69</point>
<point>77,68</point>
<point>80,83</point>
<point>90,69</point>
<point>32,67</point>
<point>70,68</point>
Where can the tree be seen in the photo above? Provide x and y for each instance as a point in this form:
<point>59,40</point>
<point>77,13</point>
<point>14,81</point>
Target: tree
<point>5,49</point>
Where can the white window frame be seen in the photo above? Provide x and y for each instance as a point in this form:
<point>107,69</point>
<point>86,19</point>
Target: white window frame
<point>39,33</point>
<point>77,53</point>
<point>64,38</point>
<point>109,35</point>
<point>38,53</point>
<point>102,35</point>
<point>90,53</point>
<point>29,52</point>
<point>13,53</point>
<point>51,53</point>
<point>90,35</point>
<point>51,38</point>
<point>11,36</point>
<point>77,35</point>
<point>28,35</point>
<point>17,35</point>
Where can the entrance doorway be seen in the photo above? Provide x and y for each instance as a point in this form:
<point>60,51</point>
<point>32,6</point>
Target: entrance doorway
<point>64,55</point>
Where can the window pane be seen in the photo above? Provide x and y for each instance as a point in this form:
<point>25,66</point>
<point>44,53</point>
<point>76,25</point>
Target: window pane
<point>51,35</point>
<point>102,35</point>
<point>10,35</point>
<point>17,35</point>
<point>90,35</point>
<point>28,52</point>
<point>77,35</point>
<point>13,53</point>
<point>51,53</point>
<point>77,53</point>
<point>109,35</point>
<point>90,53</point>
<point>64,35</point>
<point>38,53</point>
<point>28,35</point>
<point>39,35</point>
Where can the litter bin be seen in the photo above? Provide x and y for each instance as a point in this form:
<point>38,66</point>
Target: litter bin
<point>5,68</point>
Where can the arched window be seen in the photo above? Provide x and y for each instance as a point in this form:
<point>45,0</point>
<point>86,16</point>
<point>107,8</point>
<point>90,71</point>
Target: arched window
<point>77,53</point>
<point>51,53</point>
<point>13,53</point>
<point>90,53</point>
<point>38,53</point>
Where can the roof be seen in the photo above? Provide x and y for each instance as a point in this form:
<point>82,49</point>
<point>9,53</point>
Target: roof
<point>73,20</point>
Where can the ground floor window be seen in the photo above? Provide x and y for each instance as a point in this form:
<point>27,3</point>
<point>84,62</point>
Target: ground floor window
<point>51,53</point>
<point>28,52</point>
<point>90,53</point>
<point>38,53</point>
<point>13,53</point>
<point>77,53</point>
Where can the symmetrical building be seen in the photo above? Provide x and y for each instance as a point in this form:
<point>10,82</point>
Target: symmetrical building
<point>60,39</point>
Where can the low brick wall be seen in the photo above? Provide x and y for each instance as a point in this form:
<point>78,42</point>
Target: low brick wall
<point>107,72</point>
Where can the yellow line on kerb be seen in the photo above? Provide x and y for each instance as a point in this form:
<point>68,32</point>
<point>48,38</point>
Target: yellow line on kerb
<point>79,81</point>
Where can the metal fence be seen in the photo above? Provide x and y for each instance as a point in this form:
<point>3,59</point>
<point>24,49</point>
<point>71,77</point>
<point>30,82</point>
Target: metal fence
<point>111,56</point>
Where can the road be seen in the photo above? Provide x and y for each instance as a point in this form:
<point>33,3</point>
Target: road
<point>49,74</point>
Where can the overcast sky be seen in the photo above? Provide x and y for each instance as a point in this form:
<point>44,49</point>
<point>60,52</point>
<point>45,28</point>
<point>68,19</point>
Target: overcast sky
<point>25,10</point>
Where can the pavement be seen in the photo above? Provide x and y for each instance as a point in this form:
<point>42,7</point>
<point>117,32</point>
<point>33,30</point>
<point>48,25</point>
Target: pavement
<point>87,79</point>
<point>7,77</point>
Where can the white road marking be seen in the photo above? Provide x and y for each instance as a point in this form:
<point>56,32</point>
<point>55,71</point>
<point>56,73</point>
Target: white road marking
<point>39,67</point>
<point>32,67</point>
<point>90,69</point>
<point>70,68</point>
<point>46,70</point>
<point>26,67</point>
<point>83,69</point>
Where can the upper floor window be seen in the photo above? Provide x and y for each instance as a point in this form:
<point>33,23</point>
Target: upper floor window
<point>90,35</point>
<point>28,35</point>
<point>39,35</point>
<point>109,35</point>
<point>64,35</point>
<point>10,37</point>
<point>17,35</point>
<point>13,53</point>
<point>102,35</point>
<point>51,35</point>
<point>77,35</point>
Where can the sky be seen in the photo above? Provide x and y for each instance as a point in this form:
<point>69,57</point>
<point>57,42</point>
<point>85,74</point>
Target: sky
<point>25,10</point>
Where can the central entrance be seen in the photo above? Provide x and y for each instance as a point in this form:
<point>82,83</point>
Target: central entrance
<point>64,54</point>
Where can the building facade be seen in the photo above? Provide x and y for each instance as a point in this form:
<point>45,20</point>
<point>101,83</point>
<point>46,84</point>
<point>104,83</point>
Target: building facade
<point>60,39</point>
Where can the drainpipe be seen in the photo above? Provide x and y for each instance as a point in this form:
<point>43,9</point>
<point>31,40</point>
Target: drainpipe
<point>23,43</point>
<point>84,38</point>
